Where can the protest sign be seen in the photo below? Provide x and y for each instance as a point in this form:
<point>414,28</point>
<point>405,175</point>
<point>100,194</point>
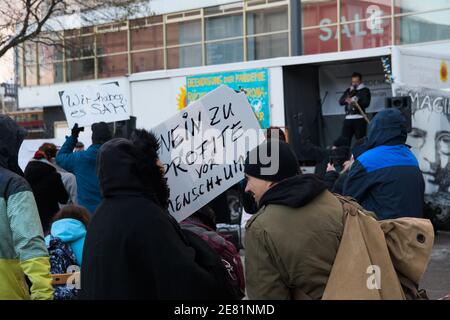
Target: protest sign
<point>254,83</point>
<point>86,105</point>
<point>203,148</point>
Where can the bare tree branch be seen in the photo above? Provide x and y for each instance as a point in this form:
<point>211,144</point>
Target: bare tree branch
<point>29,20</point>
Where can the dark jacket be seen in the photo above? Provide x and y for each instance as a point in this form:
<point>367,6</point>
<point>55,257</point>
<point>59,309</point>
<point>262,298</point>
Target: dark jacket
<point>385,177</point>
<point>134,249</point>
<point>82,165</point>
<point>335,181</point>
<point>361,95</point>
<point>48,190</point>
<point>291,243</point>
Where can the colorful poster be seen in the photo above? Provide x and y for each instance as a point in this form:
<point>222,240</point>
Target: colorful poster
<point>254,83</point>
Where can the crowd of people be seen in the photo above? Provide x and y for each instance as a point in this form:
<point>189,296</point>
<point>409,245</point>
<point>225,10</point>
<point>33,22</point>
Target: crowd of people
<point>105,211</point>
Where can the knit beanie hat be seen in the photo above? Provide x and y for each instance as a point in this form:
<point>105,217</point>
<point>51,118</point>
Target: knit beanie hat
<point>100,133</point>
<point>273,160</point>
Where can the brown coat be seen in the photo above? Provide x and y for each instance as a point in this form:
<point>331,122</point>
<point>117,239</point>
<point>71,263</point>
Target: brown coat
<point>290,251</point>
<point>399,248</point>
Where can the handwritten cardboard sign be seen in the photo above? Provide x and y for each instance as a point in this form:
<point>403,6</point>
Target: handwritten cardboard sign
<point>203,148</point>
<point>86,105</point>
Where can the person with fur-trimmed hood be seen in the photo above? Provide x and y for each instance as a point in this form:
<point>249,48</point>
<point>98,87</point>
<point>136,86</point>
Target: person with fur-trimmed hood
<point>134,248</point>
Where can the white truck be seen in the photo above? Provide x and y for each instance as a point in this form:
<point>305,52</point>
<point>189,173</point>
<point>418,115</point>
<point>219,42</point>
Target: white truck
<point>302,96</point>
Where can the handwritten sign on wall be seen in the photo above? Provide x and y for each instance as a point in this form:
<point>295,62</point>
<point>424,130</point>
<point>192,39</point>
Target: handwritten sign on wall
<point>203,148</point>
<point>94,103</point>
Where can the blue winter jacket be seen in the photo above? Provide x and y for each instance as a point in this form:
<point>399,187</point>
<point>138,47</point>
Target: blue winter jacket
<point>72,232</point>
<point>385,178</point>
<point>83,165</point>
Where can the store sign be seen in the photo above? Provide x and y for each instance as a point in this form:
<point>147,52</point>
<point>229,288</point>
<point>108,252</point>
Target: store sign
<point>368,30</point>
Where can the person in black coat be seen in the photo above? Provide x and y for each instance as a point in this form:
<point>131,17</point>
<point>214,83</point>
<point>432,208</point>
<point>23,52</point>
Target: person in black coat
<point>134,248</point>
<point>47,186</point>
<point>354,123</point>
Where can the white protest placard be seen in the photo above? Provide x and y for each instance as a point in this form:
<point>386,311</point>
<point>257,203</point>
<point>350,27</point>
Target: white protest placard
<point>203,148</point>
<point>94,103</point>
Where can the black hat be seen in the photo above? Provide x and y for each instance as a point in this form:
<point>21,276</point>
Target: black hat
<point>100,133</point>
<point>273,160</point>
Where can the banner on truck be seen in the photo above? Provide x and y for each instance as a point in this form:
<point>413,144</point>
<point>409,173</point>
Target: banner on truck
<point>430,135</point>
<point>86,105</point>
<point>254,83</point>
<point>203,148</point>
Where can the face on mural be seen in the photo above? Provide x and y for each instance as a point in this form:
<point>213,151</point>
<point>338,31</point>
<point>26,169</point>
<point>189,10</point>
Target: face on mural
<point>430,142</point>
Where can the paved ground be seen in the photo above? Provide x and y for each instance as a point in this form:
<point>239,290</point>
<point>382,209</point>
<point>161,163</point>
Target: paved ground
<point>437,278</point>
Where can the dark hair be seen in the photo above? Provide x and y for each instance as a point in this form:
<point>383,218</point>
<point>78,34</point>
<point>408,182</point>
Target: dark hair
<point>207,216</point>
<point>357,75</point>
<point>281,135</point>
<point>73,212</point>
<point>49,149</point>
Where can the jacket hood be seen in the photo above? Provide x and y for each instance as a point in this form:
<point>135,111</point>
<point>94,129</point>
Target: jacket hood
<point>123,169</point>
<point>38,170</point>
<point>294,192</point>
<point>387,128</point>
<point>68,230</point>
<point>11,138</point>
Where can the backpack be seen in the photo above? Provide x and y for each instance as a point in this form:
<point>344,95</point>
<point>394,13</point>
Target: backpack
<point>229,256</point>
<point>404,248</point>
<point>61,259</point>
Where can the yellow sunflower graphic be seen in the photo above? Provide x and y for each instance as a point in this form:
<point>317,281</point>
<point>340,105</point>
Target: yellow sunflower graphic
<point>181,99</point>
<point>444,71</point>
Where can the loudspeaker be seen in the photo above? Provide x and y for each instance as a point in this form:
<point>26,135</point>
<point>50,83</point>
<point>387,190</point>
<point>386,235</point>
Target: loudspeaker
<point>403,103</point>
<point>123,129</point>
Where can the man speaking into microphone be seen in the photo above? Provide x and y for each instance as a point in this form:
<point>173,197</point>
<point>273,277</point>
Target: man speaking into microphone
<point>355,123</point>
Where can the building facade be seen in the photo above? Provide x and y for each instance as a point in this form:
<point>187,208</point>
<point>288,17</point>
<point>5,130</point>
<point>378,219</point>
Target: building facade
<point>226,32</point>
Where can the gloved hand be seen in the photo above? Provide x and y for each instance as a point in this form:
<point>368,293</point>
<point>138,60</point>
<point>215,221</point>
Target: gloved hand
<point>76,131</point>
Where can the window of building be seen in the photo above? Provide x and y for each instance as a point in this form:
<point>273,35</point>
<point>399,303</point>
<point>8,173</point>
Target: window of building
<point>31,74</point>
<point>221,27</point>
<point>424,27</point>
<point>113,66</point>
<point>79,47</point>
<point>354,10</point>
<point>147,60</point>
<point>268,46</point>
<point>184,32</point>
<point>224,51</point>
<point>366,34</point>
<point>50,73</point>
<point>112,42</point>
<point>147,37</point>
<point>403,6</point>
<point>318,12</point>
<point>267,20</point>
<point>320,40</point>
<point>186,56</point>
<point>80,70</point>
